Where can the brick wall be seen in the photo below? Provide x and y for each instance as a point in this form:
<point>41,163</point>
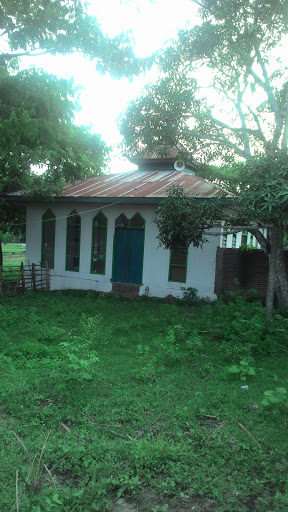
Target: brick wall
<point>250,268</point>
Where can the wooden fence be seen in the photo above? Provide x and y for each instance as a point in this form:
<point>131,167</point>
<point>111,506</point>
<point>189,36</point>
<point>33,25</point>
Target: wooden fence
<point>18,279</point>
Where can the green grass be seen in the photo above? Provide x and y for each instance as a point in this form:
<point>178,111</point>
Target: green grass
<point>158,421</point>
<point>13,254</point>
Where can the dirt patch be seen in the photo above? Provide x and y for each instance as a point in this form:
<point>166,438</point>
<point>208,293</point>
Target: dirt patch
<point>4,419</point>
<point>150,502</point>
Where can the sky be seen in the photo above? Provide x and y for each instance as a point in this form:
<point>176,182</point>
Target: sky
<point>152,22</point>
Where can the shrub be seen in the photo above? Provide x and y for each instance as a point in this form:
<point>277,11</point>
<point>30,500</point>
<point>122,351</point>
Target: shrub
<point>277,397</point>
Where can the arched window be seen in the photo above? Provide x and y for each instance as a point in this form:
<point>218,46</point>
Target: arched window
<point>137,221</point>
<point>73,241</point>
<point>122,221</point>
<point>99,237</point>
<point>48,238</point>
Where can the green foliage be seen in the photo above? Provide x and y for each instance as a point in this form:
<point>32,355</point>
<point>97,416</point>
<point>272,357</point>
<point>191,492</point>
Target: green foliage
<point>60,27</point>
<point>234,47</point>
<point>231,47</point>
<point>246,248</point>
<point>191,297</point>
<point>243,328</point>
<point>244,369</point>
<point>264,189</point>
<point>78,357</point>
<point>35,478</point>
<point>194,344</point>
<point>181,221</point>
<point>156,406</point>
<point>37,127</point>
<point>169,348</point>
<point>277,397</point>
<point>37,109</point>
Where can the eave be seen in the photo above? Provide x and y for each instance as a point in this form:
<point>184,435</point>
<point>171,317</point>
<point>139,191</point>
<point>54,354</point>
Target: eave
<point>225,201</point>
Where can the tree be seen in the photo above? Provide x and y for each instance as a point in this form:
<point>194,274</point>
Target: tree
<point>37,130</point>
<point>235,53</point>
<point>260,201</point>
<point>34,28</point>
<point>36,109</point>
<point>263,200</point>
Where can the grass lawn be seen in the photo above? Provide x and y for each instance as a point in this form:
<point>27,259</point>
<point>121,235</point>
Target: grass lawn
<point>13,254</point>
<point>116,405</point>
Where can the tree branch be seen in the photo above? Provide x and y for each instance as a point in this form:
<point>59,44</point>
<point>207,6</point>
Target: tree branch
<point>266,84</point>
<point>197,2</point>
<point>10,56</point>
<point>244,137</point>
<point>220,139</point>
<point>236,229</point>
<point>227,127</point>
<point>243,130</point>
<point>271,97</point>
<point>261,238</point>
<point>257,78</point>
<point>258,132</point>
<point>253,230</point>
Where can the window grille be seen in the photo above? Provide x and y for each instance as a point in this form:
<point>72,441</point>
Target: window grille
<point>48,238</point>
<point>99,238</point>
<point>73,242</point>
<point>178,265</point>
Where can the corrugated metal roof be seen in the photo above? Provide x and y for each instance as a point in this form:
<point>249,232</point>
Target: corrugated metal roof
<point>143,184</point>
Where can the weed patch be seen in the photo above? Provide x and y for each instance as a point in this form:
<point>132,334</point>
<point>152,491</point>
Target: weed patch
<point>167,407</point>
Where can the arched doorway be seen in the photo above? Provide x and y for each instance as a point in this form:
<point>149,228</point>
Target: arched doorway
<point>128,249</point>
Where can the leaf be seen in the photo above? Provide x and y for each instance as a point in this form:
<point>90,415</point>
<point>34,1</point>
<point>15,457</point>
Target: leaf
<point>234,369</point>
<point>56,499</point>
<point>282,391</point>
<point>265,402</point>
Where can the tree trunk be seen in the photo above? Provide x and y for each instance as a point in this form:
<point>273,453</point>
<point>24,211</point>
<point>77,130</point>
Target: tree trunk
<point>272,274</point>
<point>1,267</point>
<point>1,256</point>
<point>282,278</point>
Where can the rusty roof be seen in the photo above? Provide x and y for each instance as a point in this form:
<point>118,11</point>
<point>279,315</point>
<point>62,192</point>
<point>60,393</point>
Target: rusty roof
<point>142,184</point>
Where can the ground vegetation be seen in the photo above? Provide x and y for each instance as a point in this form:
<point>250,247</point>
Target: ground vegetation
<point>146,405</point>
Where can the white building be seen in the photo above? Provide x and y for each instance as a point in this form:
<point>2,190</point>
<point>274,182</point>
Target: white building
<point>100,234</point>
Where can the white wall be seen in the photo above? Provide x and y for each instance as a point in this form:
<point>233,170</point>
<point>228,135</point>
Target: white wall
<point>200,266</point>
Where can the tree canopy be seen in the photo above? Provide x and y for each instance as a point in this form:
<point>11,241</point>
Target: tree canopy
<point>261,200</point>
<point>37,127</point>
<point>33,28</point>
<point>222,98</point>
<point>36,109</point>
<point>181,221</point>
<point>223,92</point>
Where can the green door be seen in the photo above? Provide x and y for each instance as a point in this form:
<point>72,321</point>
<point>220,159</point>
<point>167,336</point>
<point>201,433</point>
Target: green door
<point>128,255</point>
